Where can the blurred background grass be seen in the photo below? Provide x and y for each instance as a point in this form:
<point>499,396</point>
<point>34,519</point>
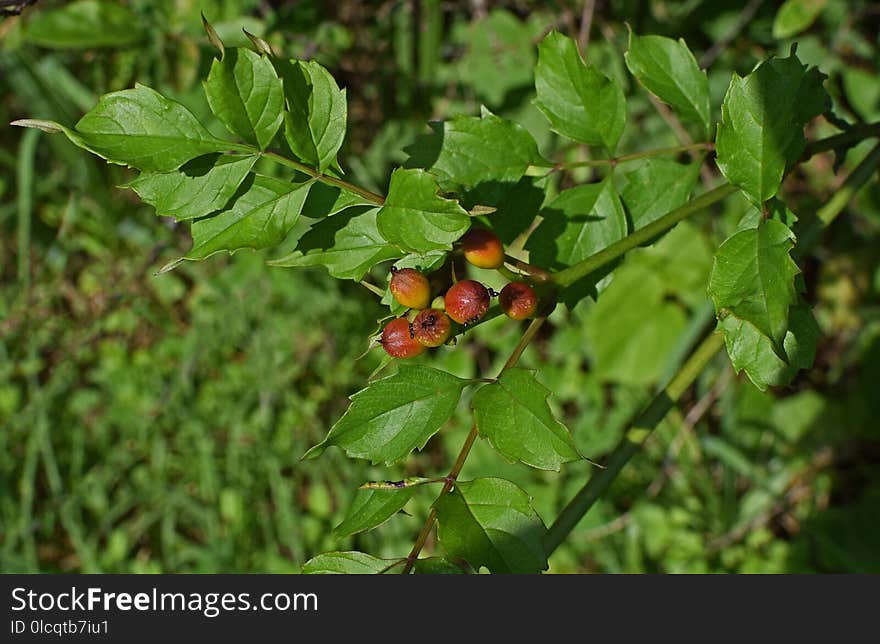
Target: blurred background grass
<point>155,424</point>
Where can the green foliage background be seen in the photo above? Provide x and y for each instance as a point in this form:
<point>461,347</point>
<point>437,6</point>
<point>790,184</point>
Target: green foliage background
<point>155,423</point>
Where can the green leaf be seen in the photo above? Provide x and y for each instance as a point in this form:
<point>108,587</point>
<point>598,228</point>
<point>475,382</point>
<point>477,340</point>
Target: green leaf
<point>315,122</point>
<point>245,93</point>
<point>794,16</point>
<point>499,58</point>
<point>578,100</point>
<point>657,187</point>
<point>347,246</point>
<point>415,218</point>
<point>762,124</point>
<point>753,278</point>
<point>141,128</point>
<point>84,24</point>
<point>579,222</point>
<point>345,563</point>
<point>395,415</point>
<point>261,217</point>
<point>469,150</point>
<point>200,187</point>
<point>325,200</point>
<point>637,322</point>
<point>437,566</point>
<point>668,69</point>
<point>371,508</point>
<point>490,522</point>
<point>751,351</point>
<point>513,415</point>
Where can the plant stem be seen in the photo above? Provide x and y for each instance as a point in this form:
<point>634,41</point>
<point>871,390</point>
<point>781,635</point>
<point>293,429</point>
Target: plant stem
<point>539,274</point>
<point>372,197</point>
<point>631,443</point>
<point>853,136</point>
<point>708,145</point>
<point>572,274</point>
<point>465,450</point>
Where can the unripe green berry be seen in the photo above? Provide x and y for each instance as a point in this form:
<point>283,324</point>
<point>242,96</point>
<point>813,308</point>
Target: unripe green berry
<point>432,327</point>
<point>467,301</point>
<point>482,248</point>
<point>410,288</point>
<point>518,301</point>
<point>398,341</point>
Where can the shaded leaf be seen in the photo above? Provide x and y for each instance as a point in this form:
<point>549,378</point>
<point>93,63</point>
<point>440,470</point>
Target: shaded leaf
<point>245,93</point>
<point>395,415</point>
<point>657,187</point>
<point>514,416</point>
<point>490,522</point>
<point>346,246</point>
<point>261,217</point>
<point>437,566</point>
<point>751,351</point>
<point>578,100</point>
<point>579,222</point>
<point>315,123</point>
<point>469,150</point>
<point>415,218</point>
<point>753,278</point>
<point>198,188</point>
<point>371,508</point>
<point>762,123</point>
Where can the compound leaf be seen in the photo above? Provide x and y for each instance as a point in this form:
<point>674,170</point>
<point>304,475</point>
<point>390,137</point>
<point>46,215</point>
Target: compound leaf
<point>657,187</point>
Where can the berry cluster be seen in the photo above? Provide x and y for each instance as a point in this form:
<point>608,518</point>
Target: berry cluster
<point>430,323</point>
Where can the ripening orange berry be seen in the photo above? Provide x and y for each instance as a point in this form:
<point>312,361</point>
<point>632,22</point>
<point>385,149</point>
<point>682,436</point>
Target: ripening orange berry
<point>467,301</point>
<point>410,288</point>
<point>518,301</point>
<point>432,327</point>
<point>398,340</point>
<point>482,248</point>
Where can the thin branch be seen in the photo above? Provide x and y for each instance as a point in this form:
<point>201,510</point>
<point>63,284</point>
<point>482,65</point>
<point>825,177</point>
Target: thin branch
<point>586,25</point>
<point>572,274</point>
<point>372,197</point>
<point>745,17</point>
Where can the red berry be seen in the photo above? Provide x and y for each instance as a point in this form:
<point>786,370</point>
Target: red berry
<point>432,327</point>
<point>467,301</point>
<point>410,288</point>
<point>518,301</point>
<point>398,341</point>
<point>482,248</point>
